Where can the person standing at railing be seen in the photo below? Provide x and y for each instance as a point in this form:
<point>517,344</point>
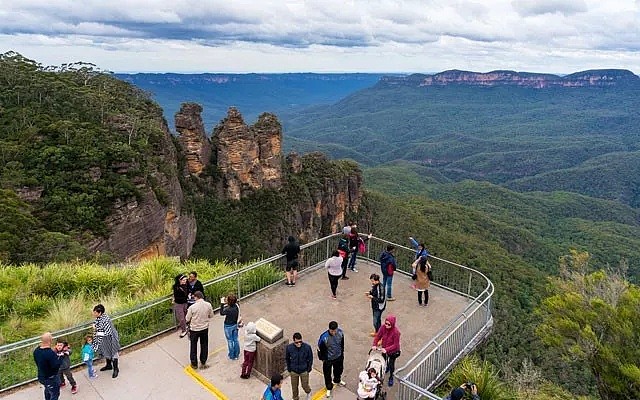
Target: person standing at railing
<point>292,252</point>
<point>388,266</point>
<point>106,340</point>
<point>48,364</point>
<point>458,393</point>
<point>355,243</point>
<point>343,250</point>
<point>194,285</point>
<point>180,296</point>
<point>334,271</point>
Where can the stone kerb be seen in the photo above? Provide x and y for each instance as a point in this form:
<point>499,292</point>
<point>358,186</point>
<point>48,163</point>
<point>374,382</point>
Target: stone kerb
<point>270,351</point>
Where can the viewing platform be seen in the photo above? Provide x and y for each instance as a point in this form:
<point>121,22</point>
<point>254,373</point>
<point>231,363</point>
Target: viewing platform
<point>159,368</point>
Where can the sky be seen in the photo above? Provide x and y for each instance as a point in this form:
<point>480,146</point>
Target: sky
<point>556,36</point>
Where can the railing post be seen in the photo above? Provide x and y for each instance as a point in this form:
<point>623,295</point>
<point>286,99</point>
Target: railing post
<point>469,286</point>
<point>237,279</point>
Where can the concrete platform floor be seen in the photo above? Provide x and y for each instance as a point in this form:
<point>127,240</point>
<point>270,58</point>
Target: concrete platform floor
<point>160,369</point>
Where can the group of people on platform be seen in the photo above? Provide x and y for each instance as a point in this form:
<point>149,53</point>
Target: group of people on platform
<point>193,314</point>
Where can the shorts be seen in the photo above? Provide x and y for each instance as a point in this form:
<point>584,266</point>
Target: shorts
<point>292,265</point>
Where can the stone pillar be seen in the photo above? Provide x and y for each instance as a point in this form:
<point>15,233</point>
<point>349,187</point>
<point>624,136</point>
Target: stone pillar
<point>270,350</point>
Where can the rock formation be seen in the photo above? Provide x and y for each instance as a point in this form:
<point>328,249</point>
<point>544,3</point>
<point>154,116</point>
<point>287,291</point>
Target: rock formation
<point>591,78</point>
<point>195,144</point>
<point>248,157</point>
<point>154,224</point>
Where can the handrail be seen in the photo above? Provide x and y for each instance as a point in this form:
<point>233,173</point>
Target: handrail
<point>415,378</point>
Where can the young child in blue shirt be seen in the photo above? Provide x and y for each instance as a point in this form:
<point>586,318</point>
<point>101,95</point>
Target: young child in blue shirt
<point>273,391</point>
<point>88,355</point>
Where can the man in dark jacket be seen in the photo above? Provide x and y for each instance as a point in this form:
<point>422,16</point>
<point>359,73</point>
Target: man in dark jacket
<point>194,285</point>
<point>299,363</point>
<point>48,364</point>
<point>388,266</point>
<point>331,353</point>
<point>378,301</point>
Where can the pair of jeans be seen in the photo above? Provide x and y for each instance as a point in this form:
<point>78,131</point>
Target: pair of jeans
<point>203,337</point>
<point>51,387</point>
<point>231,334</point>
<point>304,380</point>
<point>352,260</point>
<point>337,366</point>
<point>247,364</point>
<point>377,319</point>
<point>333,282</point>
<point>90,370</point>
<point>387,280</point>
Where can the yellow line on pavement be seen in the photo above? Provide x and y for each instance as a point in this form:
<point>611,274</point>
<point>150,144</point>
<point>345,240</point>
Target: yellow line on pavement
<point>319,394</point>
<point>206,384</point>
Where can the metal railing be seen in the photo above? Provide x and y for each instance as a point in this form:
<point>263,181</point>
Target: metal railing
<point>155,318</point>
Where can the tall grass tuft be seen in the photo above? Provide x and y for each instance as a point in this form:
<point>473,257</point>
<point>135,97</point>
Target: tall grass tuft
<point>484,375</point>
<point>68,311</point>
<point>154,274</point>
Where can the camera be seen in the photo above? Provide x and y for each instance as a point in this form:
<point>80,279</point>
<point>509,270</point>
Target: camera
<point>469,385</point>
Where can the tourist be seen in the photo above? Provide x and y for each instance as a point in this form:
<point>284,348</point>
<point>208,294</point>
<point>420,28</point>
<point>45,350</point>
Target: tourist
<point>422,283</point>
<point>106,341</point>
<point>388,267</point>
<point>368,384</point>
<point>334,271</point>
<point>273,391</point>
<point>198,317</point>
<point>331,353</point>
<point>299,358</point>
<point>250,346</point>
<point>458,393</point>
<point>378,301</point>
<point>88,355</point>
<point>48,364</point>
<point>64,351</point>
<point>343,250</point>
<point>194,285</point>
<point>180,298</point>
<point>388,341</point>
<point>292,251</point>
<point>231,310</point>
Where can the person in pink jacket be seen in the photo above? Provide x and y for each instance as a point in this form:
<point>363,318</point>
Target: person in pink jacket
<point>388,340</point>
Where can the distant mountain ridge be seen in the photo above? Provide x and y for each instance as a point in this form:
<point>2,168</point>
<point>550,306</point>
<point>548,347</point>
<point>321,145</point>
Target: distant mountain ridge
<point>589,78</point>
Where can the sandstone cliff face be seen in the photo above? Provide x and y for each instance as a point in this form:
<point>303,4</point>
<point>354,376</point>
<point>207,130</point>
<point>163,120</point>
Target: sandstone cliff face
<point>326,206</point>
<point>156,223</point>
<point>195,144</point>
<point>248,157</point>
<point>591,78</point>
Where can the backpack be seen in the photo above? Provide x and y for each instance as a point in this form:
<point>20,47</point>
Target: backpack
<point>362,247</point>
<point>343,244</point>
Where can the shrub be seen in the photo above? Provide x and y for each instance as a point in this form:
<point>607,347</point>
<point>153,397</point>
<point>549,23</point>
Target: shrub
<point>484,375</point>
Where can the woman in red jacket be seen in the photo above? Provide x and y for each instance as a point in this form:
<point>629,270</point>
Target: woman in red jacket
<point>388,339</point>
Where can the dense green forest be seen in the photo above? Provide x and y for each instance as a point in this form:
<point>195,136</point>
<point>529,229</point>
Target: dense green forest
<point>584,140</point>
<point>76,140</point>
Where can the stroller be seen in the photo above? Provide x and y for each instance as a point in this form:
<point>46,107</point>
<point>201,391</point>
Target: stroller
<point>371,387</point>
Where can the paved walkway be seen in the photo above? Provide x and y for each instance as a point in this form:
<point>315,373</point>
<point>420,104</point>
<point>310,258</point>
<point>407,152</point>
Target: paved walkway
<point>160,369</point>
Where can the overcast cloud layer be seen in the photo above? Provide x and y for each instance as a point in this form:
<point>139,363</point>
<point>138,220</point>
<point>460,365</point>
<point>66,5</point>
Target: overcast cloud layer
<point>558,36</point>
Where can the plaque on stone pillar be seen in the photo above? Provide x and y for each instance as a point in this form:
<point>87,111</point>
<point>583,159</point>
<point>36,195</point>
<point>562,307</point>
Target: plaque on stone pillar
<point>270,351</point>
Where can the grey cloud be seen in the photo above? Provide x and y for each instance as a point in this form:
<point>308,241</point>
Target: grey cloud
<point>527,8</point>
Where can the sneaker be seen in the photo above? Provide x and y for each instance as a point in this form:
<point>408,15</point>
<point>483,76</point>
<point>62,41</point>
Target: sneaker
<point>391,299</point>
<point>94,376</point>
<point>194,366</point>
<point>308,396</point>
<point>344,278</point>
<point>354,269</point>
<point>204,366</point>
<point>328,393</point>
<point>74,390</point>
<point>372,334</point>
<point>342,383</point>
<point>63,384</point>
<point>183,334</point>
<point>293,283</point>
<point>334,298</point>
<point>390,381</point>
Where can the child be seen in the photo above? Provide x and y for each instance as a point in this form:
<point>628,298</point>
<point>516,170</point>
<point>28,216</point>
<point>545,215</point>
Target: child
<point>250,340</point>
<point>273,392</point>
<point>88,355</point>
<point>64,350</point>
<point>368,385</point>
